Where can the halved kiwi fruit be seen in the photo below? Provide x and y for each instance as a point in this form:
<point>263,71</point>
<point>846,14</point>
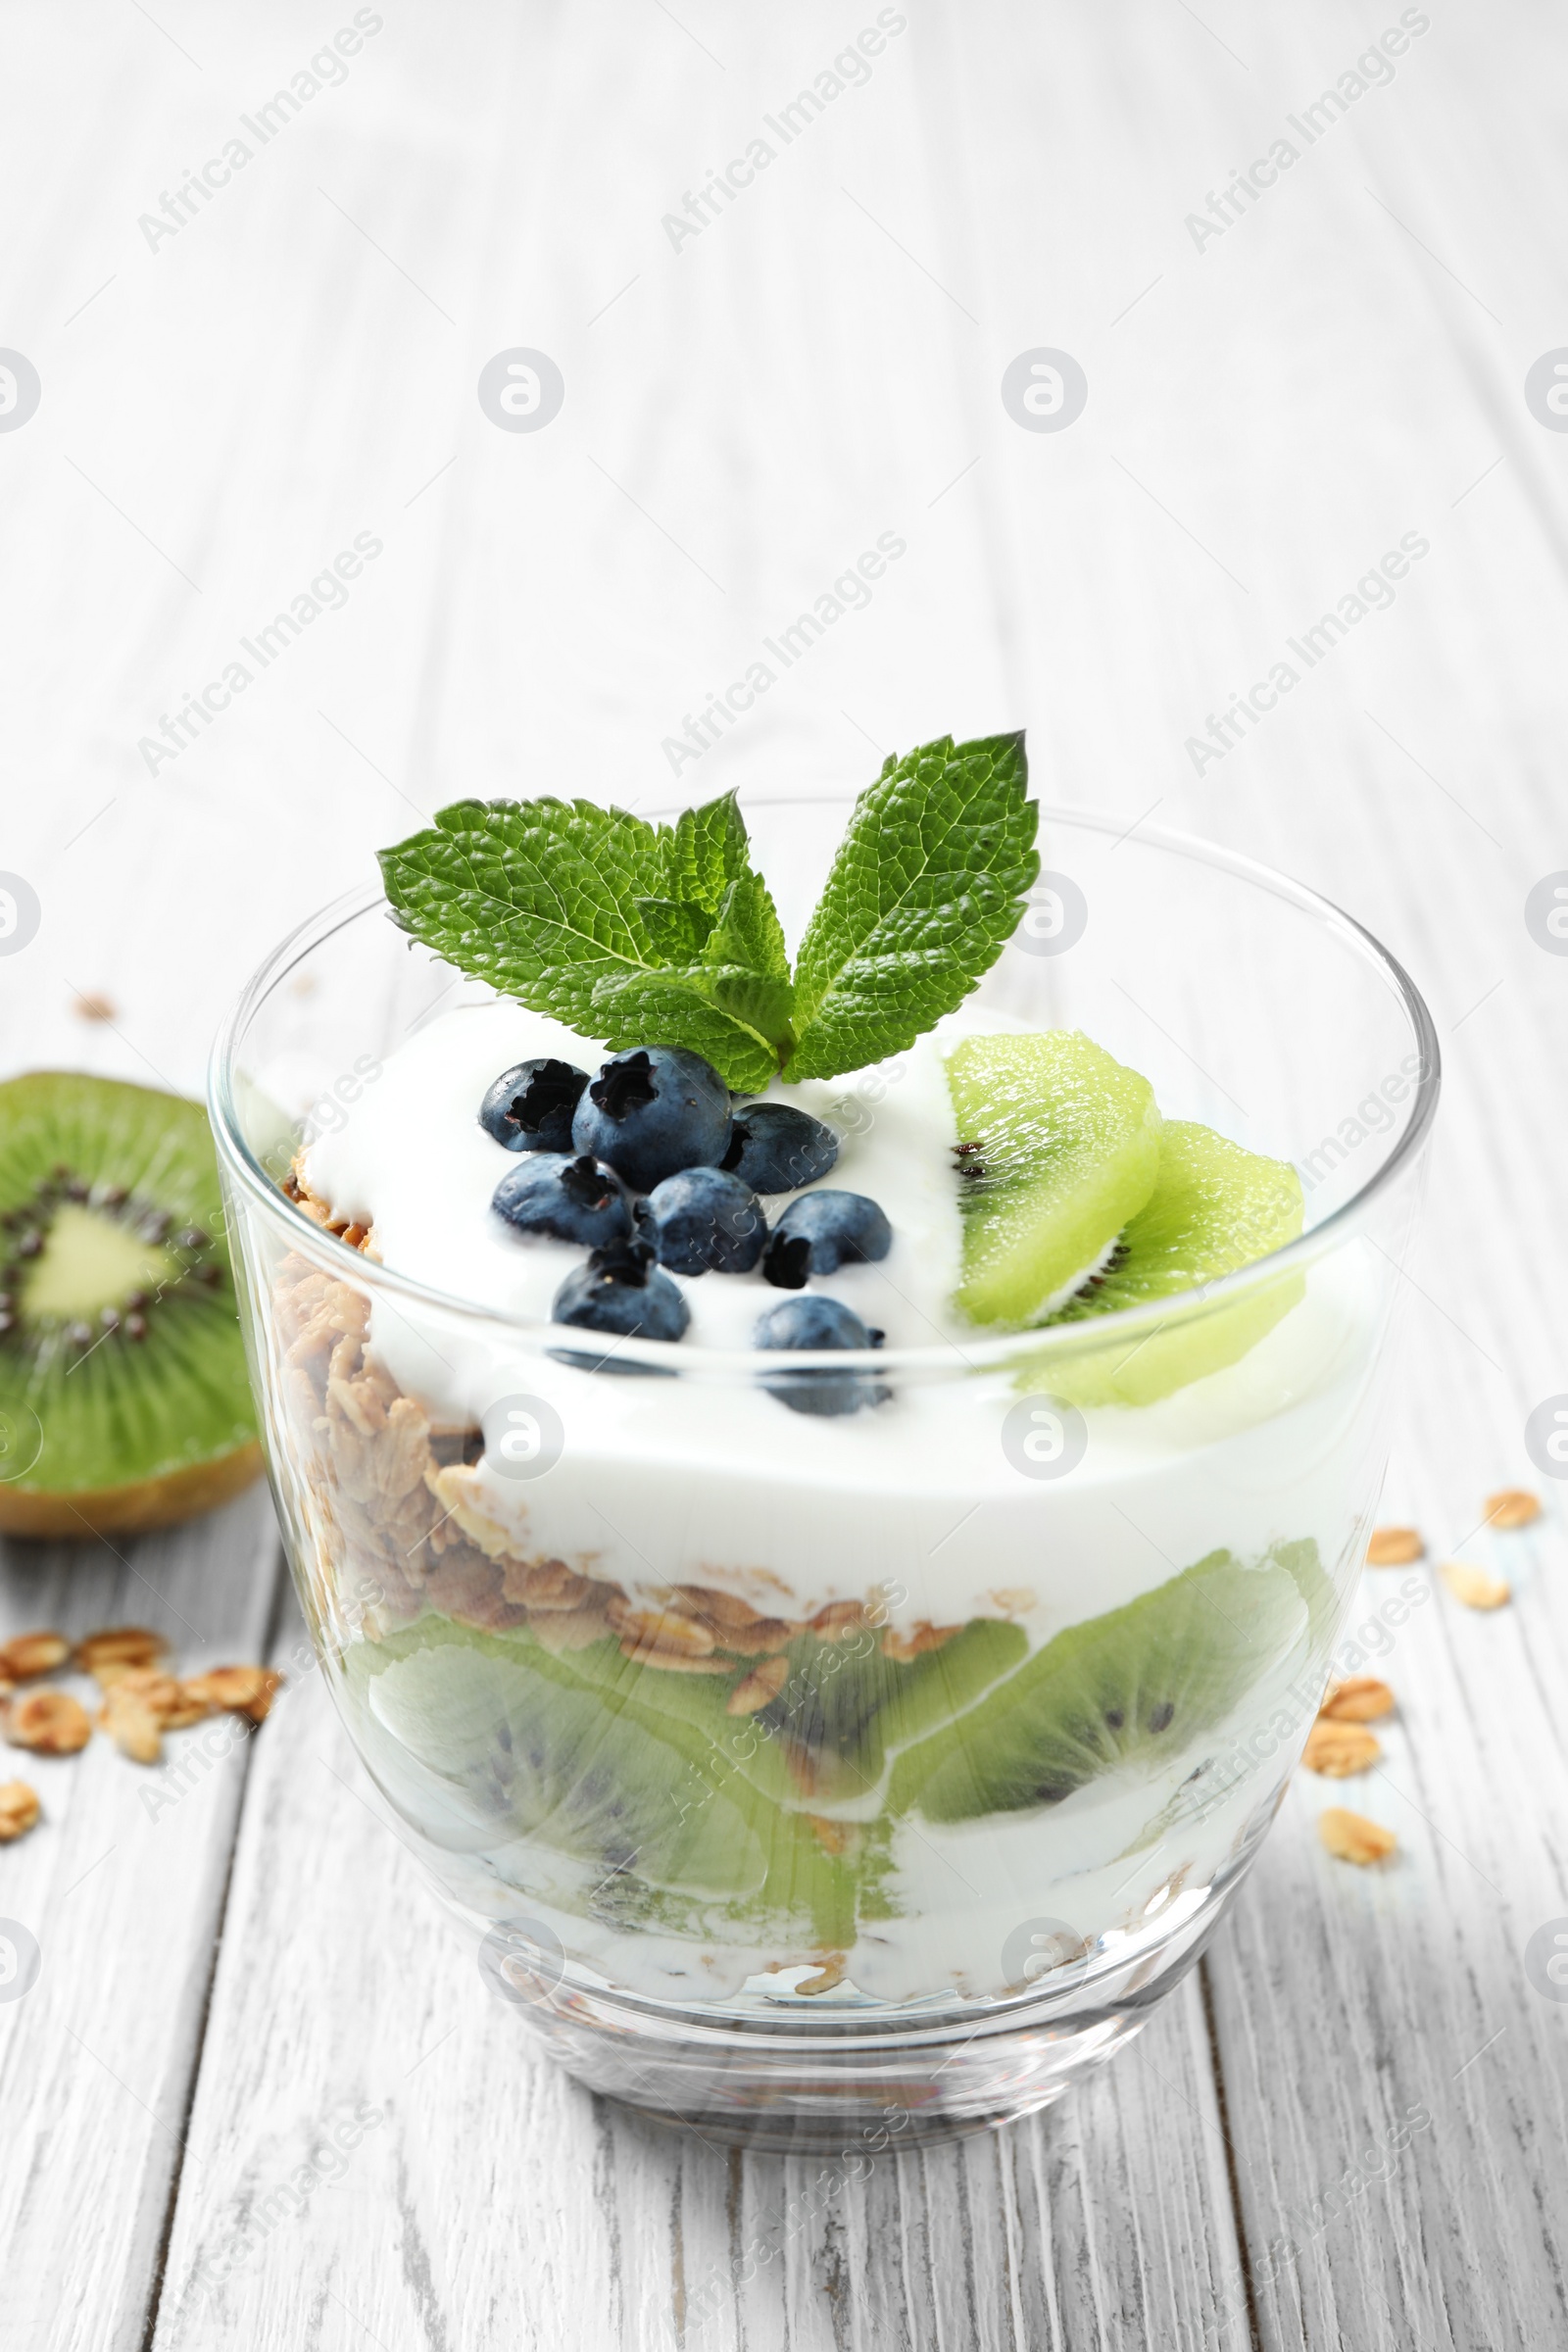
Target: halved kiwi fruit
<point>123,1398</point>
<point>1134,1686</point>
<point>1059,1146</point>
<point>1214,1209</point>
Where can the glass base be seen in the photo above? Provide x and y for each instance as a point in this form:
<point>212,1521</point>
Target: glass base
<point>855,2085</point>
<point>857,2097</point>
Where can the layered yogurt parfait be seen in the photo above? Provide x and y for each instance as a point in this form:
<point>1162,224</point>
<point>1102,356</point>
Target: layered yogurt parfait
<point>804,1535</point>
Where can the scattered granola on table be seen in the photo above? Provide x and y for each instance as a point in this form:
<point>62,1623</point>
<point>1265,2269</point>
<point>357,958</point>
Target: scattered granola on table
<point>1338,1748</point>
<point>116,1648</point>
<point>27,1654</point>
<point>131,1724</point>
<point>1475,1587</point>
<point>1363,1698</point>
<point>173,1704</point>
<point>1512,1506</point>
<point>1393,1547</point>
<point>1352,1838</point>
<point>234,1689</point>
<point>19,1810</point>
<point>142,1701</point>
<point>50,1721</point>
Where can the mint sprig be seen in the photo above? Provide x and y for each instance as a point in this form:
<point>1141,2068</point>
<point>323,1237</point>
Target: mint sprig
<point>566,905</point>
<point>926,891</point>
<point>639,934</point>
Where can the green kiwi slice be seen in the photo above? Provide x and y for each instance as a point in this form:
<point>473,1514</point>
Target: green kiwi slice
<point>1134,1686</point>
<point>1059,1146</point>
<point>1301,1562</point>
<point>846,1705</point>
<point>823,1740</point>
<point>124,1397</point>
<point>532,1754</point>
<point>1214,1209</point>
<point>487,1742</point>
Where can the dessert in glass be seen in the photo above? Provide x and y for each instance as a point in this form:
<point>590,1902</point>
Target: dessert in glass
<point>828,1556</point>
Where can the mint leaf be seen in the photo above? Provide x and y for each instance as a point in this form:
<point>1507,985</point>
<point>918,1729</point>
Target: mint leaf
<point>715,908</point>
<point>680,1009</point>
<point>748,966</point>
<point>703,852</point>
<point>747,931</point>
<point>735,970</point>
<point>762,1003</point>
<point>678,930</point>
<point>569,907</point>
<point>926,888</point>
<point>540,897</point>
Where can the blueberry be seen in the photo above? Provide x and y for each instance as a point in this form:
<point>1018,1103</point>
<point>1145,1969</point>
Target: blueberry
<point>822,1232</point>
<point>622,1291</point>
<point>814,1322</point>
<point>571,1199</point>
<point>529,1107</point>
<point>653,1112</point>
<point>702,1221</point>
<point>820,1323</point>
<point>773,1147</point>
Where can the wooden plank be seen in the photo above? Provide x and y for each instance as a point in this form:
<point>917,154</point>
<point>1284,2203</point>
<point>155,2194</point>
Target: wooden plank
<point>123,1887</point>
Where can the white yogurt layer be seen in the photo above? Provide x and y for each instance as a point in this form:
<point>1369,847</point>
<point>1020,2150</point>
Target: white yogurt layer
<point>715,1482</point>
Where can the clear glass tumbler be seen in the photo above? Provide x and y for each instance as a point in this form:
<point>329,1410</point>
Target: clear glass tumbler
<point>909,1860</point>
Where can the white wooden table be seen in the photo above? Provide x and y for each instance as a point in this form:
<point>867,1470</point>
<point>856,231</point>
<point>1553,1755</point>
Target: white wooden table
<point>1270,407</point>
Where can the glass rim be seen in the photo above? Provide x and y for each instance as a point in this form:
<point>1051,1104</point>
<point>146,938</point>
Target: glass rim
<point>948,1357</point>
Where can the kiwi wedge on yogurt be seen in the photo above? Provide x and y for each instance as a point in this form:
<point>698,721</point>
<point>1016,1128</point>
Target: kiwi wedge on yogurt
<point>123,1398</point>
<point>1214,1209</point>
<point>1129,1690</point>
<point>1057,1148</point>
